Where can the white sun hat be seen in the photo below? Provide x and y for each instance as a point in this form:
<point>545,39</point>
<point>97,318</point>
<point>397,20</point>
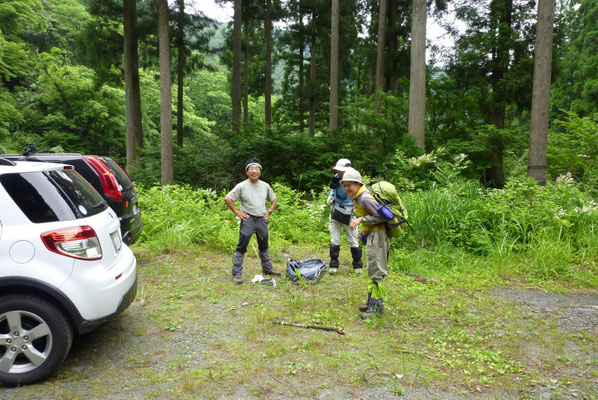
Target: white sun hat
<point>342,165</point>
<point>351,175</point>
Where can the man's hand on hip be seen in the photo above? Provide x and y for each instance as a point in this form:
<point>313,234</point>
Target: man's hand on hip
<point>243,215</point>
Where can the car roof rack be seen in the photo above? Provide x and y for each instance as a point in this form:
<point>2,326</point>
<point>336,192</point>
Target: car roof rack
<point>4,161</point>
<point>32,149</point>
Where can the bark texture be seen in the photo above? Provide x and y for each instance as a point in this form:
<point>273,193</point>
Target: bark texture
<point>236,83</point>
<point>417,81</point>
<point>334,54</point>
<point>134,130</point>
<point>538,138</point>
<point>167,167</point>
<point>180,73</point>
<point>380,55</point>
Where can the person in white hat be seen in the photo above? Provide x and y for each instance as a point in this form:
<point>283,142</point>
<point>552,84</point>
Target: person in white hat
<point>373,232</point>
<point>340,218</point>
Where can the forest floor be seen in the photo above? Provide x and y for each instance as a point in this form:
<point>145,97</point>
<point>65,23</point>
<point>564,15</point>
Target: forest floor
<point>192,333</point>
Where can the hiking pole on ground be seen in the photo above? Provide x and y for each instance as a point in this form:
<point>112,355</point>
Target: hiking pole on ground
<point>340,331</point>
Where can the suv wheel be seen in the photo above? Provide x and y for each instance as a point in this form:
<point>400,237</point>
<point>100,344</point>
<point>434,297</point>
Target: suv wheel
<point>35,338</point>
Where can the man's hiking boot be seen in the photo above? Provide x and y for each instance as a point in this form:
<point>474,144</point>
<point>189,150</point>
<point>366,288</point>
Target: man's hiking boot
<point>375,307</point>
<point>358,271</point>
<point>364,307</point>
<point>272,272</point>
<point>238,279</point>
<point>333,271</point>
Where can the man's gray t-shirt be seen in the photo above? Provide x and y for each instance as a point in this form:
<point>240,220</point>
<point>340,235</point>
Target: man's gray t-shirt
<point>253,196</point>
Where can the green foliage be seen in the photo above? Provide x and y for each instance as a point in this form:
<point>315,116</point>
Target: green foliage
<point>177,216</point>
<point>552,229</point>
<point>16,19</point>
<point>202,162</point>
<point>573,148</point>
<point>18,16</point>
<point>10,118</point>
<point>576,84</point>
<point>68,110</point>
<point>552,224</point>
<point>369,137</point>
<point>425,171</point>
<point>287,156</point>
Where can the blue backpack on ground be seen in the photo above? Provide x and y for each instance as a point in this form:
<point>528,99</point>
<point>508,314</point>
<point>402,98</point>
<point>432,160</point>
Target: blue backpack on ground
<point>310,270</point>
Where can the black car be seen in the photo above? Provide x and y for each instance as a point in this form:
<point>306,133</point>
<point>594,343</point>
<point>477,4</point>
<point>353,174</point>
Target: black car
<point>107,177</point>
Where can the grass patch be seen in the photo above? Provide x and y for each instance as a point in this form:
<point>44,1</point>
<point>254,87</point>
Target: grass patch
<point>193,333</point>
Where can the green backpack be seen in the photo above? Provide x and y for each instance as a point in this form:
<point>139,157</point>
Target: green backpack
<point>391,207</point>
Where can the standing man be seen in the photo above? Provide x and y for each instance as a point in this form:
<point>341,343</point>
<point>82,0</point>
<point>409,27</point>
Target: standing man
<point>253,194</point>
<point>340,218</point>
<point>377,240</point>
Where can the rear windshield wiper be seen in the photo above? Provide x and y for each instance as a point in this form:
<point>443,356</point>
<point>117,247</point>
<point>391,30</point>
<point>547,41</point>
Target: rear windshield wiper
<point>100,204</point>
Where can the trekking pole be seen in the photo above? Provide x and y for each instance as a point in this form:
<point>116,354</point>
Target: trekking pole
<point>340,331</point>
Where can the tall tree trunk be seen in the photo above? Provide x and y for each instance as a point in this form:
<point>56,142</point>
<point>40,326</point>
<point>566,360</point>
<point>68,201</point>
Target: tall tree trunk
<point>165,95</point>
<point>132,92</point>
<point>236,79</point>
<point>334,54</point>
<point>246,72</point>
<point>312,79</point>
<point>495,174</point>
<point>417,81</point>
<point>538,138</point>
<point>392,37</point>
<point>180,73</point>
<point>380,55</point>
<point>268,90</point>
<point>301,77</point>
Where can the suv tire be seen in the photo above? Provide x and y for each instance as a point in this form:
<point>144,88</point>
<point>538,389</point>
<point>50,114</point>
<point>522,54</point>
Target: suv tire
<point>29,322</point>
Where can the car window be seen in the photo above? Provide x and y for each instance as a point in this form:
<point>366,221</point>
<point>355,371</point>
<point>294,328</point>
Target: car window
<point>121,176</point>
<point>85,199</point>
<point>52,196</point>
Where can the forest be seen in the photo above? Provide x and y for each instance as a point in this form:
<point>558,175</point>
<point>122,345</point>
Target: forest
<point>300,83</point>
<point>489,133</point>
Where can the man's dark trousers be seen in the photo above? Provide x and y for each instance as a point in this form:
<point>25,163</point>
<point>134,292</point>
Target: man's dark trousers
<point>259,226</point>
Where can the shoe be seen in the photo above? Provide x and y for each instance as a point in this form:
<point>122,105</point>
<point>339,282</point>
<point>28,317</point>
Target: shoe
<point>272,272</point>
<point>364,307</point>
<point>238,279</point>
<point>333,271</point>
<point>375,308</point>
<point>358,271</point>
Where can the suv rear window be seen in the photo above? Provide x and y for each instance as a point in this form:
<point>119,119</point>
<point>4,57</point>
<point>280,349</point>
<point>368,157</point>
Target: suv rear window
<point>53,195</point>
<point>121,176</point>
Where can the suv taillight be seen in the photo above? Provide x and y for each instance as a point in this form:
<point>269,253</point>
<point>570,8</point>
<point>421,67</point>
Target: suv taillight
<point>109,183</point>
<point>80,242</point>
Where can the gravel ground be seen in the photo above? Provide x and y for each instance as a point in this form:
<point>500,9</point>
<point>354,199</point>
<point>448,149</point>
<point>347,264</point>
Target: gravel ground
<point>575,315</point>
<point>126,350</point>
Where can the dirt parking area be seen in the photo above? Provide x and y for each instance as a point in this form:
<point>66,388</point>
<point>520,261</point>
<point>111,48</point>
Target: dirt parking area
<point>191,334</point>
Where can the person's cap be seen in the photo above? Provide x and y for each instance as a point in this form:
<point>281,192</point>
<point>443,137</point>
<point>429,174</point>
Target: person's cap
<point>342,165</point>
<point>253,161</point>
<point>351,175</point>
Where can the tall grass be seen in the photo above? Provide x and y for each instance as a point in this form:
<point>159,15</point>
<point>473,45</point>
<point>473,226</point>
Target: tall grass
<point>176,216</point>
<point>542,233</point>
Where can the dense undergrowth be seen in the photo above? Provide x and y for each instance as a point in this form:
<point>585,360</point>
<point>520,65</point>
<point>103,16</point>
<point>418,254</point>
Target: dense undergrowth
<point>539,234</point>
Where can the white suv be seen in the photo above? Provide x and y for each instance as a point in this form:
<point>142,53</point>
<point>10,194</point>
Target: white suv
<point>63,266</point>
